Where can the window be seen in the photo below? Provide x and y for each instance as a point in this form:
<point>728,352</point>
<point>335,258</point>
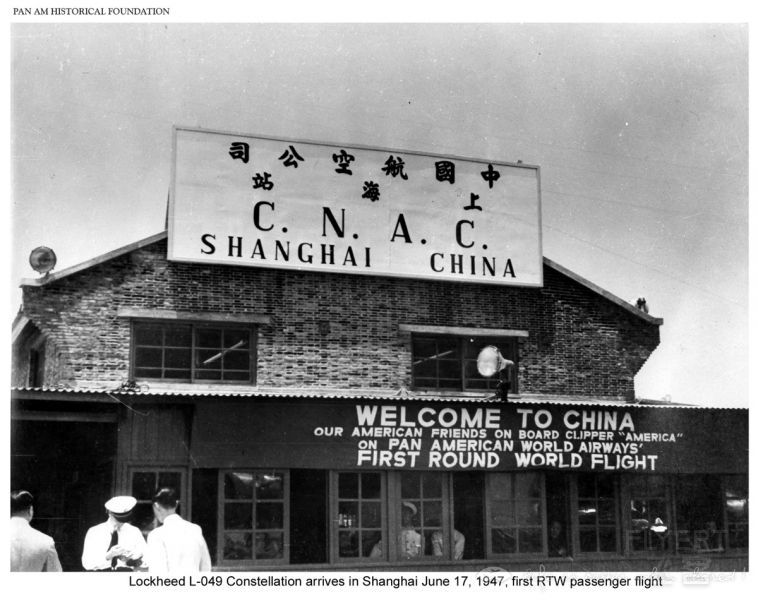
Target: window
<point>699,514</point>
<point>193,352</point>
<point>736,498</point>
<point>144,483</point>
<point>422,507</point>
<point>253,517</point>
<point>448,362</point>
<point>36,366</point>
<point>649,524</point>
<point>360,516</point>
<point>515,514</point>
<point>596,512</point>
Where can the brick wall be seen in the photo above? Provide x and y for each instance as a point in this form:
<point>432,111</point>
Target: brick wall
<point>579,342</point>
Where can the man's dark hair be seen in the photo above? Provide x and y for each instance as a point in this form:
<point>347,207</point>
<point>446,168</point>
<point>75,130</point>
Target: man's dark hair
<point>21,500</point>
<point>167,497</point>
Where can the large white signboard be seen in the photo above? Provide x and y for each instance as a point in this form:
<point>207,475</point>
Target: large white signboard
<point>262,202</point>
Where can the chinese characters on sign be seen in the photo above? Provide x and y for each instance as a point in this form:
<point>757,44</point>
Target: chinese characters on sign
<point>283,204</point>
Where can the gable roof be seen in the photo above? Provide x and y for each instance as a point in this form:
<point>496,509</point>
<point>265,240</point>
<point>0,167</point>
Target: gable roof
<point>51,277</point>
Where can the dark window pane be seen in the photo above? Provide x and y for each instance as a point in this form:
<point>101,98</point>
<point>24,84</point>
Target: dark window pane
<point>529,513</point>
<point>238,515</point>
<point>178,336</point>
<point>425,382</point>
<point>481,384</point>
<point>425,369</point>
<point>148,357</point>
<point>269,545</point>
<point>432,514</point>
<point>143,485</point>
<point>177,374</point>
<point>238,546</point>
<point>607,539</point>
<point>269,487</point>
<point>238,486</point>
<point>236,360</point>
<point>449,384</point>
<point>237,375</point>
<point>170,479</point>
<point>503,541</point>
<point>449,369</point>
<point>178,358</point>
<point>369,541</point>
<point>371,514</point>
<point>209,375</point>
<point>530,540</point>
<point>585,485</point>
<point>587,541</point>
<point>148,335</point>
<point>371,485</point>
<point>269,515</point>
<point>348,514</point>
<point>348,485</point>
<point>605,486</point>
<point>208,338</point>
<point>432,484</point>
<point>235,338</point>
<point>423,348</point>
<point>738,536</point>
<point>141,372</point>
<point>587,512</point>
<point>410,485</point>
<point>529,485</point>
<point>348,543</point>
<point>606,512</point>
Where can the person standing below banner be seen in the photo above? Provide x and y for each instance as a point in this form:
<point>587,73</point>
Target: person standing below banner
<point>176,546</point>
<point>115,545</point>
<point>31,550</point>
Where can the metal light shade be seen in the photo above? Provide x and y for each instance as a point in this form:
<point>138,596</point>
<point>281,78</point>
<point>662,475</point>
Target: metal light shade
<point>490,361</point>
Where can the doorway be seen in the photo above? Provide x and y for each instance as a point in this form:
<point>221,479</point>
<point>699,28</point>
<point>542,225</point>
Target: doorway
<point>68,466</point>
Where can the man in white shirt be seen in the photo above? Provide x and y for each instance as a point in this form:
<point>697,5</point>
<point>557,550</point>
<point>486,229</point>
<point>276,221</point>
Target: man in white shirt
<point>410,543</point>
<point>31,550</point>
<point>177,546</point>
<point>115,545</point>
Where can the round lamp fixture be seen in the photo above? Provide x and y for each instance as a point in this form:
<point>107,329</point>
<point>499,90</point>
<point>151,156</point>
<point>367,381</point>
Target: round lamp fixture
<point>490,361</point>
<point>42,259</point>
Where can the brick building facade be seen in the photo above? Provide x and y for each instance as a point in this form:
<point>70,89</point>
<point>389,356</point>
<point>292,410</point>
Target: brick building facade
<point>100,407</point>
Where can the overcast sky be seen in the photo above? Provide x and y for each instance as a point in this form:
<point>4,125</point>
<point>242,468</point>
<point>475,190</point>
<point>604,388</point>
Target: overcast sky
<point>640,132</point>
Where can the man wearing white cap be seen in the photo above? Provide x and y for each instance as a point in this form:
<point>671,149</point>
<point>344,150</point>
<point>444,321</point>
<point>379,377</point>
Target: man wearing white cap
<point>115,545</point>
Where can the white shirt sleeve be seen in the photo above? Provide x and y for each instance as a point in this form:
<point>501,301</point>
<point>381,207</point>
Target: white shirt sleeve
<point>134,541</point>
<point>96,544</point>
<point>98,539</point>
<point>205,556</point>
<point>157,560</point>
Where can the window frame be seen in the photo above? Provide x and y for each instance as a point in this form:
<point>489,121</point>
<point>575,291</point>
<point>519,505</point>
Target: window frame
<point>221,529</point>
<point>489,525</point>
<point>335,526</point>
<point>596,526</point>
<point>668,501</point>
<point>508,346</point>
<point>446,517</point>
<point>183,489</point>
<point>194,326</point>
<point>742,481</point>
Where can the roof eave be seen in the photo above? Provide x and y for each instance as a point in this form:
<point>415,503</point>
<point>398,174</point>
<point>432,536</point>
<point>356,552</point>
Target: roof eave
<point>51,277</point>
<point>604,293</point>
